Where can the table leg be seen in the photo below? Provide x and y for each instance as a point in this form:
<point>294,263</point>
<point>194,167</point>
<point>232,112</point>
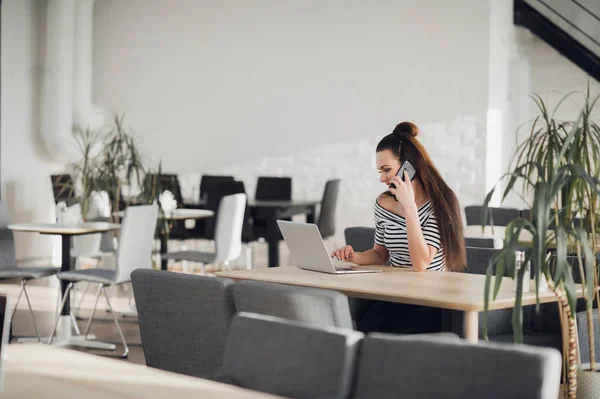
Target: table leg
<point>163,250</point>
<point>273,240</point>
<point>65,267</point>
<point>472,326</point>
<point>310,216</point>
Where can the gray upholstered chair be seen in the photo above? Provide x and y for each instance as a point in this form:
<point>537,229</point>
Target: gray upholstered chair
<point>314,306</point>
<point>426,367</point>
<point>184,320</point>
<point>9,269</point>
<point>290,359</point>
<point>360,238</point>
<point>134,252</point>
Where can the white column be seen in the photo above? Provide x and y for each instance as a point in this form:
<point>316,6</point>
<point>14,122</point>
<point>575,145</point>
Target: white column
<point>57,79</point>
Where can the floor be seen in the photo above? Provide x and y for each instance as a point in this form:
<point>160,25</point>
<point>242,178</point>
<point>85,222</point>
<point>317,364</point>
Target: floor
<point>44,301</point>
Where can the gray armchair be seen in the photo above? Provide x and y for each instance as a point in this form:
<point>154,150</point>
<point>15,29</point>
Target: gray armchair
<point>184,320</point>
<point>290,359</point>
<point>426,367</point>
<point>314,306</point>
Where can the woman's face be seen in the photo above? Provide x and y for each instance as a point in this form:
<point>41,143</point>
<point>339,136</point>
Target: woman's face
<point>387,164</point>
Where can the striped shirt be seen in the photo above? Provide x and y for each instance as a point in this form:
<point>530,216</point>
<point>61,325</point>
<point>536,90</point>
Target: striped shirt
<point>390,232</point>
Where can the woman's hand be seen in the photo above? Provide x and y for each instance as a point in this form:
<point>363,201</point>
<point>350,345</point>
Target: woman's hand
<point>344,253</point>
<point>403,192</point>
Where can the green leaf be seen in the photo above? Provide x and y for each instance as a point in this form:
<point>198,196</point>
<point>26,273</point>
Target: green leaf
<point>517,316</point>
<point>590,263</point>
<point>562,264</point>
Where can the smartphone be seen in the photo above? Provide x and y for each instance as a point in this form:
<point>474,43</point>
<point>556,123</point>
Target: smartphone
<point>408,167</point>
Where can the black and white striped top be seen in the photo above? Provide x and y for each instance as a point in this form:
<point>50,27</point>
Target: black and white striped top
<point>390,232</point>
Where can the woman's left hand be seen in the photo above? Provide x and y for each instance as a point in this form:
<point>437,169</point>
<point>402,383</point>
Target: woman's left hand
<point>403,192</point>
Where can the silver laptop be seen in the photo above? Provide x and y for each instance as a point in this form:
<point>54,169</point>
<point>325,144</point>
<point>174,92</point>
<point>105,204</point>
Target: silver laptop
<point>309,252</point>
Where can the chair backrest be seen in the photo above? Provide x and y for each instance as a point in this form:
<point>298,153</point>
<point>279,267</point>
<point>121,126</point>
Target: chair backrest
<point>290,359</point>
<point>228,232</point>
<point>136,240</point>
<point>426,367</point>
<point>8,256</point>
<point>360,238</point>
<point>499,216</point>
<point>314,306</point>
<point>273,189</point>
<point>62,188</point>
<point>326,221</point>
<point>215,191</point>
<point>184,320</point>
<point>210,179</point>
<point>478,242</point>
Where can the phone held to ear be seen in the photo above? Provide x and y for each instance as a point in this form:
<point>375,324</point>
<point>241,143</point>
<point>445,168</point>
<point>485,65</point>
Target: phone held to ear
<point>409,168</point>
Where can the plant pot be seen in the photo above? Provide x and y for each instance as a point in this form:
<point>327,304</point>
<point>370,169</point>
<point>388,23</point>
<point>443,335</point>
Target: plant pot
<point>588,382</point>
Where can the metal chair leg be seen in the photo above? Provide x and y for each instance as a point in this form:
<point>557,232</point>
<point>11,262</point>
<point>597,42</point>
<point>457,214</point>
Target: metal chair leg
<point>62,305</point>
<point>78,307</point>
<point>90,321</point>
<point>125,347</point>
<point>16,305</point>
<point>37,333</point>
<point>74,323</point>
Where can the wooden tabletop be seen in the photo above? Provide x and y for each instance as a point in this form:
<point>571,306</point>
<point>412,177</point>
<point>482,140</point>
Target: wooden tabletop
<point>40,371</point>
<point>458,291</point>
<point>185,214</point>
<point>282,204</point>
<point>63,229</point>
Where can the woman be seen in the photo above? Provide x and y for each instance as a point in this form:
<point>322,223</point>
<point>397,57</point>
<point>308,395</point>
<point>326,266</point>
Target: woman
<point>417,223</point>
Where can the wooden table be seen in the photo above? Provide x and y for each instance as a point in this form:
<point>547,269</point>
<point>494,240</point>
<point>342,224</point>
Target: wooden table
<point>67,232</point>
<point>39,371</point>
<point>271,211</point>
<point>456,291</point>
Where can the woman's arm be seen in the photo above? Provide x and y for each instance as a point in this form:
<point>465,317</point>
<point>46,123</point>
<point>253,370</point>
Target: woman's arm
<point>421,253</point>
<point>377,256</point>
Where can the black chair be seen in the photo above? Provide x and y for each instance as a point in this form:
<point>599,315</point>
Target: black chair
<point>326,222</point>
<point>184,320</point>
<point>207,180</point>
<point>499,216</point>
<point>273,189</point>
<point>360,238</point>
<point>63,188</point>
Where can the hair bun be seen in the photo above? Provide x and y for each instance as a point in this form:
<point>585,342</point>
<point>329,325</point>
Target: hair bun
<point>406,129</point>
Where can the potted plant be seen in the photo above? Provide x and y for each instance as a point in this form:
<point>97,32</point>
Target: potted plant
<point>112,162</point>
<point>558,165</point>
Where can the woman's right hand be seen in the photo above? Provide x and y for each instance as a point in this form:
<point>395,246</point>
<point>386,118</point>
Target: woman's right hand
<point>345,253</point>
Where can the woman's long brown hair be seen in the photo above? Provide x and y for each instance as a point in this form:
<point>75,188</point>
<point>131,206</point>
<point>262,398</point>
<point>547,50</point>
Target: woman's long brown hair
<point>403,144</point>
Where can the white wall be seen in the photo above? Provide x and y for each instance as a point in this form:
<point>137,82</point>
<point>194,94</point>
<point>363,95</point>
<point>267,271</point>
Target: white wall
<point>25,167</point>
<point>298,88</point>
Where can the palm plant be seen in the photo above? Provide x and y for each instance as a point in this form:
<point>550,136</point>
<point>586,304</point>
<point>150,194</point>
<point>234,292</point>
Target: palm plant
<point>558,164</point>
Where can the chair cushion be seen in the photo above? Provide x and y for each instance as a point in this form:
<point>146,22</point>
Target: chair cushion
<point>193,256</point>
<point>104,276</point>
<point>27,272</point>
